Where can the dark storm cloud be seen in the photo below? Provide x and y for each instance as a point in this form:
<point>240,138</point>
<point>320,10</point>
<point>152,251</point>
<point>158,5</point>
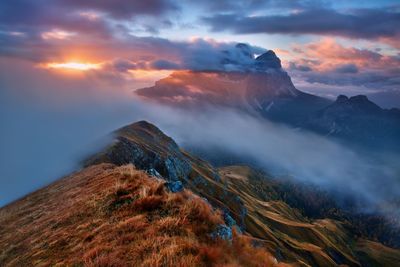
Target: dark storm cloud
<point>21,10</point>
<point>360,23</point>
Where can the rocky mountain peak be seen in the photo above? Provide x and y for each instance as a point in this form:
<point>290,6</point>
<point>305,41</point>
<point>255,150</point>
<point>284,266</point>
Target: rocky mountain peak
<point>147,132</point>
<point>358,102</point>
<point>342,99</point>
<point>359,99</point>
<point>268,60</point>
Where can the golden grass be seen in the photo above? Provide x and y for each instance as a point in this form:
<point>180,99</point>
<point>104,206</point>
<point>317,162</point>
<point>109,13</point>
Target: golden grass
<point>118,216</point>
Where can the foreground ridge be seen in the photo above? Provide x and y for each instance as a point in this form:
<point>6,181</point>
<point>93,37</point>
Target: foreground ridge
<point>144,200</point>
<point>106,215</point>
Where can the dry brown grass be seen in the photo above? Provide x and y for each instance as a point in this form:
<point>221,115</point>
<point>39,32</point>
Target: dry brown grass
<point>118,216</point>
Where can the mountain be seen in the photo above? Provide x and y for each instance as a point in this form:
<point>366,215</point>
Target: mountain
<point>358,120</point>
<point>106,215</point>
<point>145,201</point>
<point>263,88</point>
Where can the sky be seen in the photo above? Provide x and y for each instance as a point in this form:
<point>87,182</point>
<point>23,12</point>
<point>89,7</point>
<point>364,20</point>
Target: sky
<point>328,47</point>
<point>68,67</point>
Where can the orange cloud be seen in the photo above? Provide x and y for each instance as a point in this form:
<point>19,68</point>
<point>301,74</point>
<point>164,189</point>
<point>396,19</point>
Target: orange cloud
<point>73,66</point>
<point>328,54</point>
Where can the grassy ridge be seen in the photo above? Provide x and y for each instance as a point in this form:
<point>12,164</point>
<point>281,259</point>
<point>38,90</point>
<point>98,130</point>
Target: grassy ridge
<point>118,216</point>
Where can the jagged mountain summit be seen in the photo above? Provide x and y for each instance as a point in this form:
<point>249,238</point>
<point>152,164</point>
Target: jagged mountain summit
<point>261,87</point>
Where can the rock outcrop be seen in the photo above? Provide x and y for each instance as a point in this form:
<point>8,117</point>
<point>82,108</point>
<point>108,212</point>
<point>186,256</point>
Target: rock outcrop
<point>147,148</point>
<point>268,60</point>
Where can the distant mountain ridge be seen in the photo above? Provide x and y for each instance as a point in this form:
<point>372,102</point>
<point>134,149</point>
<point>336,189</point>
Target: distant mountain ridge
<point>359,120</point>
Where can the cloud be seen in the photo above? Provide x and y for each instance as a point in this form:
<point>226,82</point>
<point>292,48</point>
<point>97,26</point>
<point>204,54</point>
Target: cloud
<point>123,9</point>
<point>248,6</point>
<point>23,11</point>
<point>357,23</point>
<point>295,66</point>
<point>82,36</point>
<point>283,151</point>
<point>342,68</point>
<point>53,121</point>
<point>196,55</point>
<point>202,55</point>
<point>35,17</point>
<point>164,65</point>
<point>64,118</point>
<point>328,52</point>
<point>53,28</point>
<point>346,68</point>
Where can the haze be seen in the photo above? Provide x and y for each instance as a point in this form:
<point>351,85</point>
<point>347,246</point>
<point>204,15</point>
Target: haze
<point>68,70</point>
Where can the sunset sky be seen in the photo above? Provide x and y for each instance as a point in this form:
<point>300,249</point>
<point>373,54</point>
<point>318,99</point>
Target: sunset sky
<point>328,47</point>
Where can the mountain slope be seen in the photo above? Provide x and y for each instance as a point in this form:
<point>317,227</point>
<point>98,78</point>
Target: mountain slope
<point>265,209</point>
<point>146,147</point>
<point>265,90</point>
<point>288,226</point>
<point>109,215</point>
<point>118,216</point>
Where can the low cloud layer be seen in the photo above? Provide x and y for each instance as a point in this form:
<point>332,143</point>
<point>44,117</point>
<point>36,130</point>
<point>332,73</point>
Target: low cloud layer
<point>46,137</point>
<point>284,151</point>
<point>197,55</point>
<point>48,116</point>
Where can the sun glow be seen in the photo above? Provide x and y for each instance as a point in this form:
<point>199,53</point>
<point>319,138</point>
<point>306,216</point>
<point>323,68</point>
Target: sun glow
<point>73,66</point>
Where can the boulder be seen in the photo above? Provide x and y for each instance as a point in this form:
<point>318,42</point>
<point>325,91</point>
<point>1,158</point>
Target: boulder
<point>174,186</point>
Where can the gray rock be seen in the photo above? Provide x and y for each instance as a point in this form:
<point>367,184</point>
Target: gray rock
<point>223,232</point>
<point>154,172</point>
<point>174,186</point>
<point>229,220</point>
<point>177,168</point>
<point>268,60</point>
